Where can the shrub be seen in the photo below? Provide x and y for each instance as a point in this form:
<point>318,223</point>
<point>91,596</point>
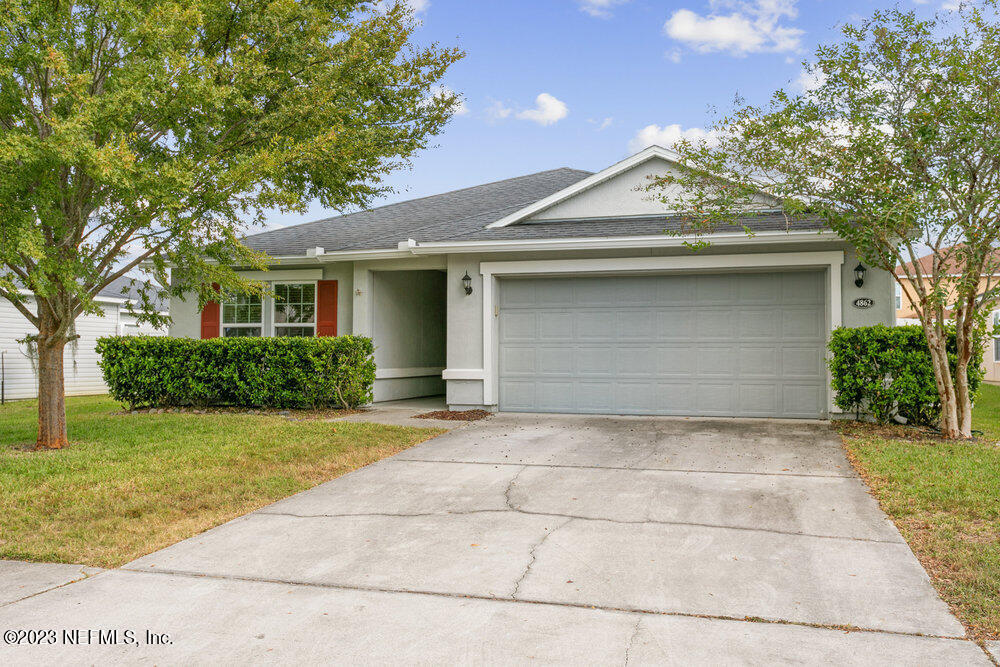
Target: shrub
<point>260,372</point>
<point>887,371</point>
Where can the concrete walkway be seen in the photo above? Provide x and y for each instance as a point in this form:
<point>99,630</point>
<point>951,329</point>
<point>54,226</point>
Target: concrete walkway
<point>545,539</point>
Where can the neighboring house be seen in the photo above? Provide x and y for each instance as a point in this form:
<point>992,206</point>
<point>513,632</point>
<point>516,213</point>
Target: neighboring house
<point>560,292</point>
<point>907,314</point>
<point>82,374</point>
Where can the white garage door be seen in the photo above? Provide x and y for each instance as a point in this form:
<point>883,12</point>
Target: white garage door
<point>705,344</point>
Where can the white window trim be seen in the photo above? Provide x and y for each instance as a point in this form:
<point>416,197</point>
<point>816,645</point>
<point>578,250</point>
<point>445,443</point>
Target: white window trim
<point>830,260</point>
<point>223,325</point>
<point>274,306</point>
<point>899,297</point>
<point>996,349</point>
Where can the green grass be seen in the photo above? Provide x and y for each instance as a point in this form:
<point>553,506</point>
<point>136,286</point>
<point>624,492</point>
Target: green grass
<point>945,499</point>
<point>131,484</point>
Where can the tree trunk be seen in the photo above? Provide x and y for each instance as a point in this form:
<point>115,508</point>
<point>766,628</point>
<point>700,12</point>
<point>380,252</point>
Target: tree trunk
<point>949,423</point>
<point>51,395</point>
<point>963,399</point>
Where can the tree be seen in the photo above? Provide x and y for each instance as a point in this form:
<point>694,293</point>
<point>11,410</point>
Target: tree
<point>895,144</point>
<point>154,132</point>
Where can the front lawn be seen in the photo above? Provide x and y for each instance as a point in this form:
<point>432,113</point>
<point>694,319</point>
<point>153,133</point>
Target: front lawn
<point>945,499</point>
<point>131,484</point>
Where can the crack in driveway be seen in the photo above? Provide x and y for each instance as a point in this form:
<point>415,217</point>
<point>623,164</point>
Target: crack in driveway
<point>533,557</point>
<point>682,471</point>
<point>580,517</point>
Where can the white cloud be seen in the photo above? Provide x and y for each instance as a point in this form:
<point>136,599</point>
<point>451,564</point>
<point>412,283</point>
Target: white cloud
<point>952,5</point>
<point>750,26</point>
<point>807,80</point>
<point>548,110</point>
<point>416,6</point>
<point>497,111</point>
<point>601,124</point>
<point>668,135</point>
<point>599,8</point>
<point>444,91</point>
<point>674,56</point>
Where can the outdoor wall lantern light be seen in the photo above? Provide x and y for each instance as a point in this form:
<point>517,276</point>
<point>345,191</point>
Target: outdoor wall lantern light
<point>467,283</point>
<point>859,275</point>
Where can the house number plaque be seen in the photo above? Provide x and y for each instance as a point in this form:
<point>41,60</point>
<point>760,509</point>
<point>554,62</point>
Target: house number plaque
<point>864,302</point>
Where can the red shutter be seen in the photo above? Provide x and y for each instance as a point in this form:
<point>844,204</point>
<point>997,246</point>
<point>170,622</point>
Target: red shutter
<point>210,319</point>
<point>326,308</point>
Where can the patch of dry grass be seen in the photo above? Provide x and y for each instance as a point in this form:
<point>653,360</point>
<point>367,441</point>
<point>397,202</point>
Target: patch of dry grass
<point>945,498</point>
<point>131,484</point>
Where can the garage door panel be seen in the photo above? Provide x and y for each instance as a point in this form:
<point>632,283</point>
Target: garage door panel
<point>594,360</point>
<point>716,360</point>
<point>555,326</point>
<point>711,289</point>
<point>714,323</point>
<point>636,324</point>
<point>678,323</point>
<point>518,395</point>
<point>675,398</point>
<point>802,362</point>
<point>716,398</point>
<point>756,322</point>
<point>595,396</point>
<point>519,326</point>
<point>724,344</point>
<point>758,400</point>
<point>802,288</point>
<point>680,291</point>
<point>759,288</point>
<point>595,325</point>
<point>674,360</point>
<point>555,361</point>
<point>553,396</point>
<point>519,360</point>
<point>634,361</point>
<point>759,361</point>
<point>800,400</point>
<point>800,322</point>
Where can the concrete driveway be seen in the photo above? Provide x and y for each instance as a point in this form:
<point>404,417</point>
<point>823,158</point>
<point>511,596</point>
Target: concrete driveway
<point>539,539</point>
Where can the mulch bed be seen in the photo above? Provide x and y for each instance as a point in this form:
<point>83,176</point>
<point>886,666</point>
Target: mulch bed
<point>455,415</point>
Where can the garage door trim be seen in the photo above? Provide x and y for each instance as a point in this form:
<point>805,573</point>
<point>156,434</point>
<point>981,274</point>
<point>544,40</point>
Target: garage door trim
<point>491,271</point>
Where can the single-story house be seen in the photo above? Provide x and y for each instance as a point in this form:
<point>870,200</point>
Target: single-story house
<point>18,377</point>
<point>561,292</point>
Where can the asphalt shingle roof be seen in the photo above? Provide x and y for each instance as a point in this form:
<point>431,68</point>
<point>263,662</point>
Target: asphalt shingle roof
<point>428,218</point>
<point>463,215</point>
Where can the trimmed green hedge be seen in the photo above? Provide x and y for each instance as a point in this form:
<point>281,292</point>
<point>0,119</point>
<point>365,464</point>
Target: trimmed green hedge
<point>260,372</point>
<point>887,371</point>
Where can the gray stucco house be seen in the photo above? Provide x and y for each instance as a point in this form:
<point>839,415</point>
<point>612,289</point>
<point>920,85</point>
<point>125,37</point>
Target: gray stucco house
<point>560,292</point>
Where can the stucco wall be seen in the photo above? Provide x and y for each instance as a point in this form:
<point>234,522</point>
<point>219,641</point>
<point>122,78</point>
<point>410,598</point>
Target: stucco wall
<point>186,318</point>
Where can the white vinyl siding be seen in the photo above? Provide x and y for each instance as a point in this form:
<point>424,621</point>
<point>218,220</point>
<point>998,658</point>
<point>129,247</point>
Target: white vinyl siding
<point>82,374</point>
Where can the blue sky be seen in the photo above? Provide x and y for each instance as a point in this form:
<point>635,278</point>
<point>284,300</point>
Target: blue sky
<point>613,76</point>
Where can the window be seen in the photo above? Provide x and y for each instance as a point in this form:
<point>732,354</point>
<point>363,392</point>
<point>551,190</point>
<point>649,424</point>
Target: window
<point>996,349</point>
<point>295,309</point>
<point>899,297</point>
<point>996,320</point>
<point>241,316</point>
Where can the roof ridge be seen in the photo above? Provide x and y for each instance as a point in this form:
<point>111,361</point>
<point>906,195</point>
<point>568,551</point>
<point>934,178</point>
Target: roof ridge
<point>417,199</point>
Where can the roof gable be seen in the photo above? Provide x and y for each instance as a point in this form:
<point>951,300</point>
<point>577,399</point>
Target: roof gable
<point>609,192</point>
<point>615,192</point>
